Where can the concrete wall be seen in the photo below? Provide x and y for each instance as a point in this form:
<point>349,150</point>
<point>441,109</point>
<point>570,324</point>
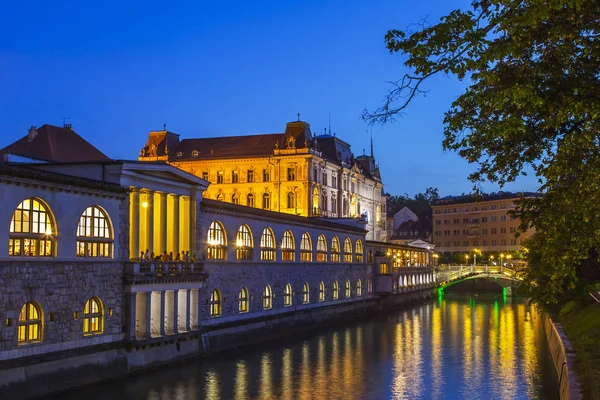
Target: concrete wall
<point>563,358</point>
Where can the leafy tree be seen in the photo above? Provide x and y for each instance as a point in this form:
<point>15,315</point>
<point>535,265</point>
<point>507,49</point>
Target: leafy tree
<point>533,73</point>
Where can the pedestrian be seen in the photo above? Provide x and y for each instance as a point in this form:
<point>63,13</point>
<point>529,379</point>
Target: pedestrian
<point>178,257</point>
<point>171,256</point>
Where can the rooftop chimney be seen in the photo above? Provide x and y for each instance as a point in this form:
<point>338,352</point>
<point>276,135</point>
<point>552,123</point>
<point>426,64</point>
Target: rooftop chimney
<point>67,126</point>
<point>31,134</point>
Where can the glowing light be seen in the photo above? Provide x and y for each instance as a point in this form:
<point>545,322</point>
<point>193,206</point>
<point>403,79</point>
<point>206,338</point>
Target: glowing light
<point>145,204</point>
<point>48,231</point>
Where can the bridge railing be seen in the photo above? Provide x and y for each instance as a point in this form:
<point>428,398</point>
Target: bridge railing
<point>457,272</point>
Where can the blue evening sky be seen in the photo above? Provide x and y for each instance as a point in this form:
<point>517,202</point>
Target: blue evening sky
<point>121,69</point>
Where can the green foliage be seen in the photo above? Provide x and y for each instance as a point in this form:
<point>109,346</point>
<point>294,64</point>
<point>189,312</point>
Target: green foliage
<point>420,204</point>
<point>532,100</point>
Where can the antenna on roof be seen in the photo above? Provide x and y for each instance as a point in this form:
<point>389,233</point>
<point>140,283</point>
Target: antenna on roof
<point>330,121</point>
<point>298,117</point>
<point>64,120</point>
<point>164,127</point>
<point>371,141</point>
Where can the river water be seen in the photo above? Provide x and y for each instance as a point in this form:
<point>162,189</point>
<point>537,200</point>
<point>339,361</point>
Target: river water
<point>456,347</point>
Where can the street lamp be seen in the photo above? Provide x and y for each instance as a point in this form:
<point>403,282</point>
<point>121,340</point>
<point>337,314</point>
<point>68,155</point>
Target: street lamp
<point>475,251</point>
<point>492,259</point>
<point>508,258</point>
<point>467,257</point>
<point>501,257</point>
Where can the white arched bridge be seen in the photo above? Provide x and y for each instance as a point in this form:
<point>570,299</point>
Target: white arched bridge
<point>504,276</point>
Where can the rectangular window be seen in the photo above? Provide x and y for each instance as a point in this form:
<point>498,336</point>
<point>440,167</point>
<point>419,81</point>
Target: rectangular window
<point>494,231</point>
<point>291,174</point>
<point>494,218</point>
<point>334,181</point>
<point>503,242</point>
<point>205,175</point>
<point>325,178</point>
<point>503,218</point>
<point>383,268</point>
<point>513,242</point>
<point>513,229</point>
<point>220,177</point>
<point>234,177</point>
<point>438,221</point>
<point>266,175</point>
<point>493,242</point>
<point>465,242</point>
<point>250,176</point>
<point>484,231</point>
<point>502,230</point>
<point>493,207</point>
<point>484,219</point>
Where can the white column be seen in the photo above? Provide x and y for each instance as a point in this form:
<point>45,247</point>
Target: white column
<point>163,224</point>
<point>175,224</point>
<point>148,315</point>
<point>175,311</point>
<point>162,313</point>
<point>134,223</point>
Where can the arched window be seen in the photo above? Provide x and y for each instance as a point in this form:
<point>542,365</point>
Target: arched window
<point>94,236</point>
<point>287,295</point>
<point>267,245</point>
<point>305,247</point>
<point>32,230</point>
<point>321,291</point>
<point>267,298</point>
<point>30,323</point>
<point>336,290</point>
<point>244,245</point>
<point>266,201</point>
<point>315,201</point>
<point>93,317</point>
<point>322,249</point>
<point>195,153</point>
<point>216,244</point>
<point>347,250</point>
<point>324,201</point>
<point>235,199</point>
<point>291,200</point>
<point>215,303</point>
<point>243,300</point>
<point>359,288</point>
<point>288,248</point>
<point>250,200</point>
<point>305,293</point>
<point>359,251</point>
<point>335,249</point>
<point>348,289</point>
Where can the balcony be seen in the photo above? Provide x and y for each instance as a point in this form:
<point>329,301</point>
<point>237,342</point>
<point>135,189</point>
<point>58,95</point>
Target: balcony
<point>148,272</point>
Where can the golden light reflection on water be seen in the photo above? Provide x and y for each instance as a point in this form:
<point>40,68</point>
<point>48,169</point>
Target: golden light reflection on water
<point>458,348</point>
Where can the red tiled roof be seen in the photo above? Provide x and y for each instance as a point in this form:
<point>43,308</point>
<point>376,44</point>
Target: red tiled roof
<point>56,144</point>
<point>228,146</point>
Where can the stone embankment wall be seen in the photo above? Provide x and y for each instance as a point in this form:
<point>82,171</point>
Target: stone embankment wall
<point>563,358</point>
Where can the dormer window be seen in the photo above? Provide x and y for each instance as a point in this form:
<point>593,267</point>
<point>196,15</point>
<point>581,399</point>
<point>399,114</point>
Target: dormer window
<point>195,153</point>
<point>179,154</point>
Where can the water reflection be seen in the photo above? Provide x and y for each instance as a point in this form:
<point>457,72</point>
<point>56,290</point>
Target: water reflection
<point>455,348</point>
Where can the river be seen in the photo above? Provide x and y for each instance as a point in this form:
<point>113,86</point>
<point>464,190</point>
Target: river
<point>456,347</point>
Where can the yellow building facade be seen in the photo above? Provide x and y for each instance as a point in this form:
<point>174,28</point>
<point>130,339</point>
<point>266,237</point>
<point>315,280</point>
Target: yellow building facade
<point>292,172</point>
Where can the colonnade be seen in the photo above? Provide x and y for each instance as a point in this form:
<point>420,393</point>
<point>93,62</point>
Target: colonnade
<point>161,222</point>
<point>164,312</point>
<point>409,280</point>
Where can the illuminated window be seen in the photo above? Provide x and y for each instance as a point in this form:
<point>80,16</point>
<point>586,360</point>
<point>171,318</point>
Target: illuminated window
<point>215,303</point>
<point>94,235</point>
<point>235,199</point>
<point>250,200</point>
<point>93,319</point>
<point>305,293</point>
<point>383,268</point>
<point>32,230</point>
<point>266,201</point>
<point>267,298</point>
<point>216,245</point>
<point>305,247</point>
<point>266,175</point>
<point>291,174</point>
<point>243,300</point>
<point>359,288</point>
<point>219,176</point>
<point>321,291</point>
<point>234,177</point>
<point>195,153</point>
<point>370,285</point>
<point>322,249</point>
<point>288,249</point>
<point>291,200</point>
<point>359,250</point>
<point>347,250</point>
<point>267,245</point>
<point>287,295</point>
<point>348,289</point>
<point>30,323</point>
<point>336,290</point>
<point>335,249</point>
<point>250,176</point>
<point>244,244</point>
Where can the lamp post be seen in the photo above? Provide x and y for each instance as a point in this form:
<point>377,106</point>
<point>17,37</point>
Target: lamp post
<point>501,257</point>
<point>467,257</point>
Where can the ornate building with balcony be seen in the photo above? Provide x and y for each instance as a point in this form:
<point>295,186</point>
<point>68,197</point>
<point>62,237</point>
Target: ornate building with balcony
<point>293,172</point>
<point>462,224</point>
